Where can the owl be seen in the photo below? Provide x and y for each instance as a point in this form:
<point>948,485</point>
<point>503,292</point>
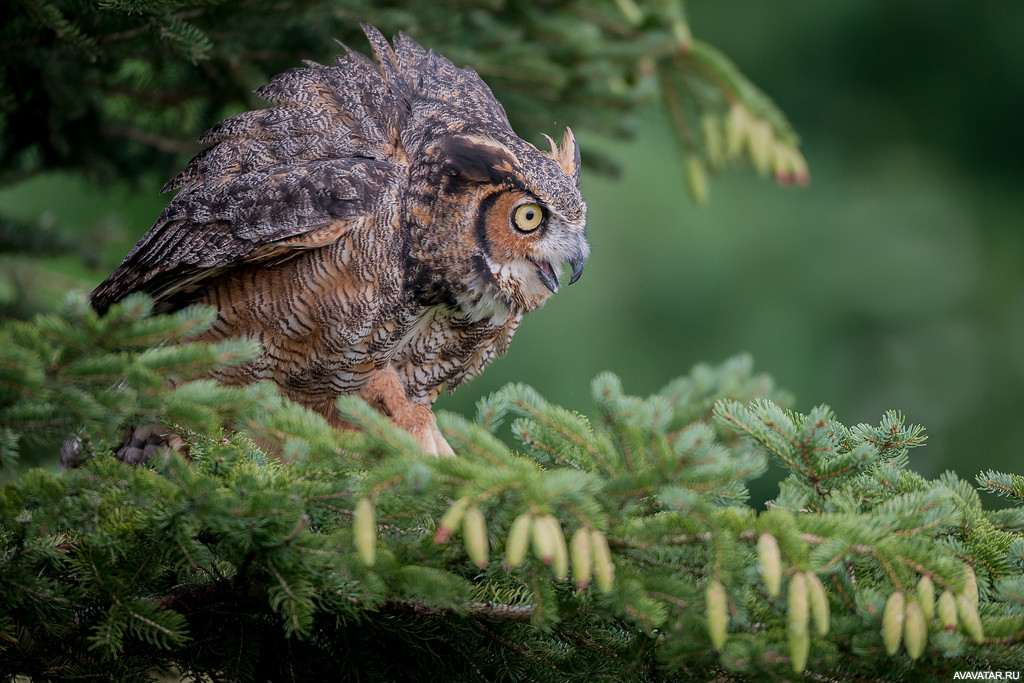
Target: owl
<point>379,229</point>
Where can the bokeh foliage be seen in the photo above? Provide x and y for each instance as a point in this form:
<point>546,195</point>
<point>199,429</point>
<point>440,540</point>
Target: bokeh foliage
<point>124,87</point>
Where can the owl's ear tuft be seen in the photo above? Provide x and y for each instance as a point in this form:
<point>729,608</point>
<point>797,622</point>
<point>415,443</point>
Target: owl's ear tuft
<point>567,155</point>
<point>477,158</point>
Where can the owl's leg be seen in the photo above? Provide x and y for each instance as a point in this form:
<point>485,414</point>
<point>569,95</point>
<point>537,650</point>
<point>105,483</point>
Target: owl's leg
<point>384,391</point>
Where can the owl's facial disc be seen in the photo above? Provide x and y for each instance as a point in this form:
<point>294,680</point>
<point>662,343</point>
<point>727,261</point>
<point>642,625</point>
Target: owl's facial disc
<point>530,217</point>
<point>543,242</point>
<point>526,244</point>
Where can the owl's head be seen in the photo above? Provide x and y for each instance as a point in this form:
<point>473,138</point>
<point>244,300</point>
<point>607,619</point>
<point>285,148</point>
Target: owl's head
<point>493,220</point>
<point>508,217</point>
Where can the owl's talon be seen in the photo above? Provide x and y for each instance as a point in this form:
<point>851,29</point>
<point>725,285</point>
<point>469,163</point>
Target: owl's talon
<point>433,443</point>
<point>441,446</point>
<point>385,392</point>
<point>420,422</point>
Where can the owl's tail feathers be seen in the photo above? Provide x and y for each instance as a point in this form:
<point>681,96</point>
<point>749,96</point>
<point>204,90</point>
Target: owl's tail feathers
<point>142,443</point>
<point>139,446</point>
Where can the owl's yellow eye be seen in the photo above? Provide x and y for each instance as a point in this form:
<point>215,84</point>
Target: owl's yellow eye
<point>528,217</point>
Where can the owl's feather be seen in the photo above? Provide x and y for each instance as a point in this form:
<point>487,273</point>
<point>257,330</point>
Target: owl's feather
<point>253,216</point>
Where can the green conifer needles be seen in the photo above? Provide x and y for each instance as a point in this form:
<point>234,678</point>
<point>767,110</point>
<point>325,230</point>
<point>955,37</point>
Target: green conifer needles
<point>620,544</point>
<point>160,72</point>
<point>61,371</point>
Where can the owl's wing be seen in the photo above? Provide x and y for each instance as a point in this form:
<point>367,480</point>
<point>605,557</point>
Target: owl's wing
<point>262,215</point>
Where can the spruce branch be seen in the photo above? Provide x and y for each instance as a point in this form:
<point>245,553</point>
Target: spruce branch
<point>621,543</point>
<point>1004,485</point>
<point>114,88</point>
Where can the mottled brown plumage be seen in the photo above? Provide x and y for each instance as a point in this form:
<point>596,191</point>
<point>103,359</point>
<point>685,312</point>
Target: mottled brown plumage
<point>380,229</point>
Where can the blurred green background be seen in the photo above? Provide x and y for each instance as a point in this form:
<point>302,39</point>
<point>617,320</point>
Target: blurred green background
<point>895,280</point>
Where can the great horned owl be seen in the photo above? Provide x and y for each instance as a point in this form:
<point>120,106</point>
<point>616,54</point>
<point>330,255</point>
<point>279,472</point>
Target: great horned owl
<point>380,230</point>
